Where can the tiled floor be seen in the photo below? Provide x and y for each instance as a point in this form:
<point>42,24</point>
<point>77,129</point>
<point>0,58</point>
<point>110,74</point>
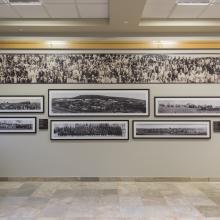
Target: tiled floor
<point>109,200</point>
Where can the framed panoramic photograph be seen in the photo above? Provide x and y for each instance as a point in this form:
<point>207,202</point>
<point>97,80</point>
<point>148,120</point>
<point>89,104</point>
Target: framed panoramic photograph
<point>172,129</point>
<point>102,102</point>
<point>187,106</point>
<point>89,130</point>
<point>110,66</point>
<point>17,125</point>
<point>21,104</point>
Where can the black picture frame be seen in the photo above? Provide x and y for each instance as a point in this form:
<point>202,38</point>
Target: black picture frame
<point>158,51</point>
<point>20,132</point>
<point>89,139</point>
<point>23,97</point>
<point>172,121</point>
<point>115,114</point>
<point>156,114</point>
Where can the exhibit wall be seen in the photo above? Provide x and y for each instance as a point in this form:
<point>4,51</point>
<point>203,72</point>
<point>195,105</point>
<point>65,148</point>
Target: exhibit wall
<point>36,155</point>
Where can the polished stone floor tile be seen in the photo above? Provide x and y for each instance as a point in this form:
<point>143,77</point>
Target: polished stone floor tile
<point>109,201</point>
<point>186,212</point>
<point>209,211</point>
<point>24,190</point>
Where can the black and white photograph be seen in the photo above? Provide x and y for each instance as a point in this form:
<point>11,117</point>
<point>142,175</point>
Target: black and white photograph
<point>187,106</point>
<point>17,124</point>
<point>21,104</point>
<point>172,129</point>
<point>89,130</point>
<point>109,67</point>
<point>103,102</point>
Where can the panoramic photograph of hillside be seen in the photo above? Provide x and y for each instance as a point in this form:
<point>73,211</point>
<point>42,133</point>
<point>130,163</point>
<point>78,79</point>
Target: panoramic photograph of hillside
<point>98,104</point>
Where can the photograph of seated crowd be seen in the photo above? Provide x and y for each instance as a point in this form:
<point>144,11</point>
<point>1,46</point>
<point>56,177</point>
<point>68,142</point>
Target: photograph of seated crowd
<point>103,129</point>
<point>109,68</point>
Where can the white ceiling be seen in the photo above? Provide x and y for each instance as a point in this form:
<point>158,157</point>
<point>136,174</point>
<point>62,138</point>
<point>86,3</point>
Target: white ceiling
<point>100,9</point>
<point>109,18</point>
<point>56,9</point>
<point>169,9</point>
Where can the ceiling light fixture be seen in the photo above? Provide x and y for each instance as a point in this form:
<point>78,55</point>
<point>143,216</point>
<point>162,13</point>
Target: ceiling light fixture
<point>55,44</point>
<point>24,2</point>
<point>192,2</point>
<point>163,43</point>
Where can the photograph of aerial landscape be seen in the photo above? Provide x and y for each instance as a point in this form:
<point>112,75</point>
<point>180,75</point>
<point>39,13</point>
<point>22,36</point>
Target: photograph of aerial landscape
<point>89,130</point>
<point>187,106</point>
<point>17,125</point>
<point>21,104</point>
<point>98,102</point>
<point>171,129</point>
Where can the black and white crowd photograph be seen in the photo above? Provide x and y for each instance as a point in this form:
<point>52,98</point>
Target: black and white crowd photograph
<point>171,129</point>
<point>108,68</point>
<point>89,130</point>
<point>101,102</point>
<point>21,104</point>
<point>187,106</point>
<point>17,125</point>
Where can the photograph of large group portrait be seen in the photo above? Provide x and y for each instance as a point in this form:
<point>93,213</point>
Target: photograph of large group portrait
<point>17,125</point>
<point>89,130</point>
<point>187,106</point>
<point>109,67</point>
<point>172,129</point>
<point>21,104</point>
<point>103,102</point>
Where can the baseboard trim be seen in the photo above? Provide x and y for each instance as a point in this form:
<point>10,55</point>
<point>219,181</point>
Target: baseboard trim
<point>108,179</point>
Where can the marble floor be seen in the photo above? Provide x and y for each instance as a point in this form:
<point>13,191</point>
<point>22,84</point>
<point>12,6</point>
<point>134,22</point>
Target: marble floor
<point>109,201</point>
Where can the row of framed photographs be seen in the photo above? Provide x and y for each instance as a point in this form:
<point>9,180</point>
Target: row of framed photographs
<point>110,129</point>
<point>114,102</point>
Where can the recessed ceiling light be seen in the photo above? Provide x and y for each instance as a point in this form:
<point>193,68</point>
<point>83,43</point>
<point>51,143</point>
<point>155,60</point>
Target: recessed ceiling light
<point>24,2</point>
<point>125,22</point>
<point>192,2</point>
<point>161,43</point>
<point>56,43</point>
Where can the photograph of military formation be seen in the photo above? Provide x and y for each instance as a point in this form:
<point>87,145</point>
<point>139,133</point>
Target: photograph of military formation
<point>115,67</point>
<point>21,104</point>
<point>98,102</point>
<point>89,130</point>
<point>171,129</point>
<point>187,106</point>
<point>17,125</point>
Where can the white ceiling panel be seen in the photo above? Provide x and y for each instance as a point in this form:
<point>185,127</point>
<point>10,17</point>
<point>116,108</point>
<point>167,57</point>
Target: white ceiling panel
<point>212,11</point>
<point>161,1</point>
<point>7,12</point>
<point>93,10</point>
<point>31,11</point>
<point>158,8</point>
<point>57,1</point>
<point>181,11</point>
<point>92,1</point>
<point>62,10</point>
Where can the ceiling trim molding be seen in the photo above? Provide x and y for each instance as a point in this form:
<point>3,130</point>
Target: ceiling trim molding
<point>111,44</point>
<point>53,22</point>
<point>179,22</point>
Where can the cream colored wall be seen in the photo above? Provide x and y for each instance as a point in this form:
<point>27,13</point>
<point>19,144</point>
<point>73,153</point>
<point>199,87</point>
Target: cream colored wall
<point>35,155</point>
